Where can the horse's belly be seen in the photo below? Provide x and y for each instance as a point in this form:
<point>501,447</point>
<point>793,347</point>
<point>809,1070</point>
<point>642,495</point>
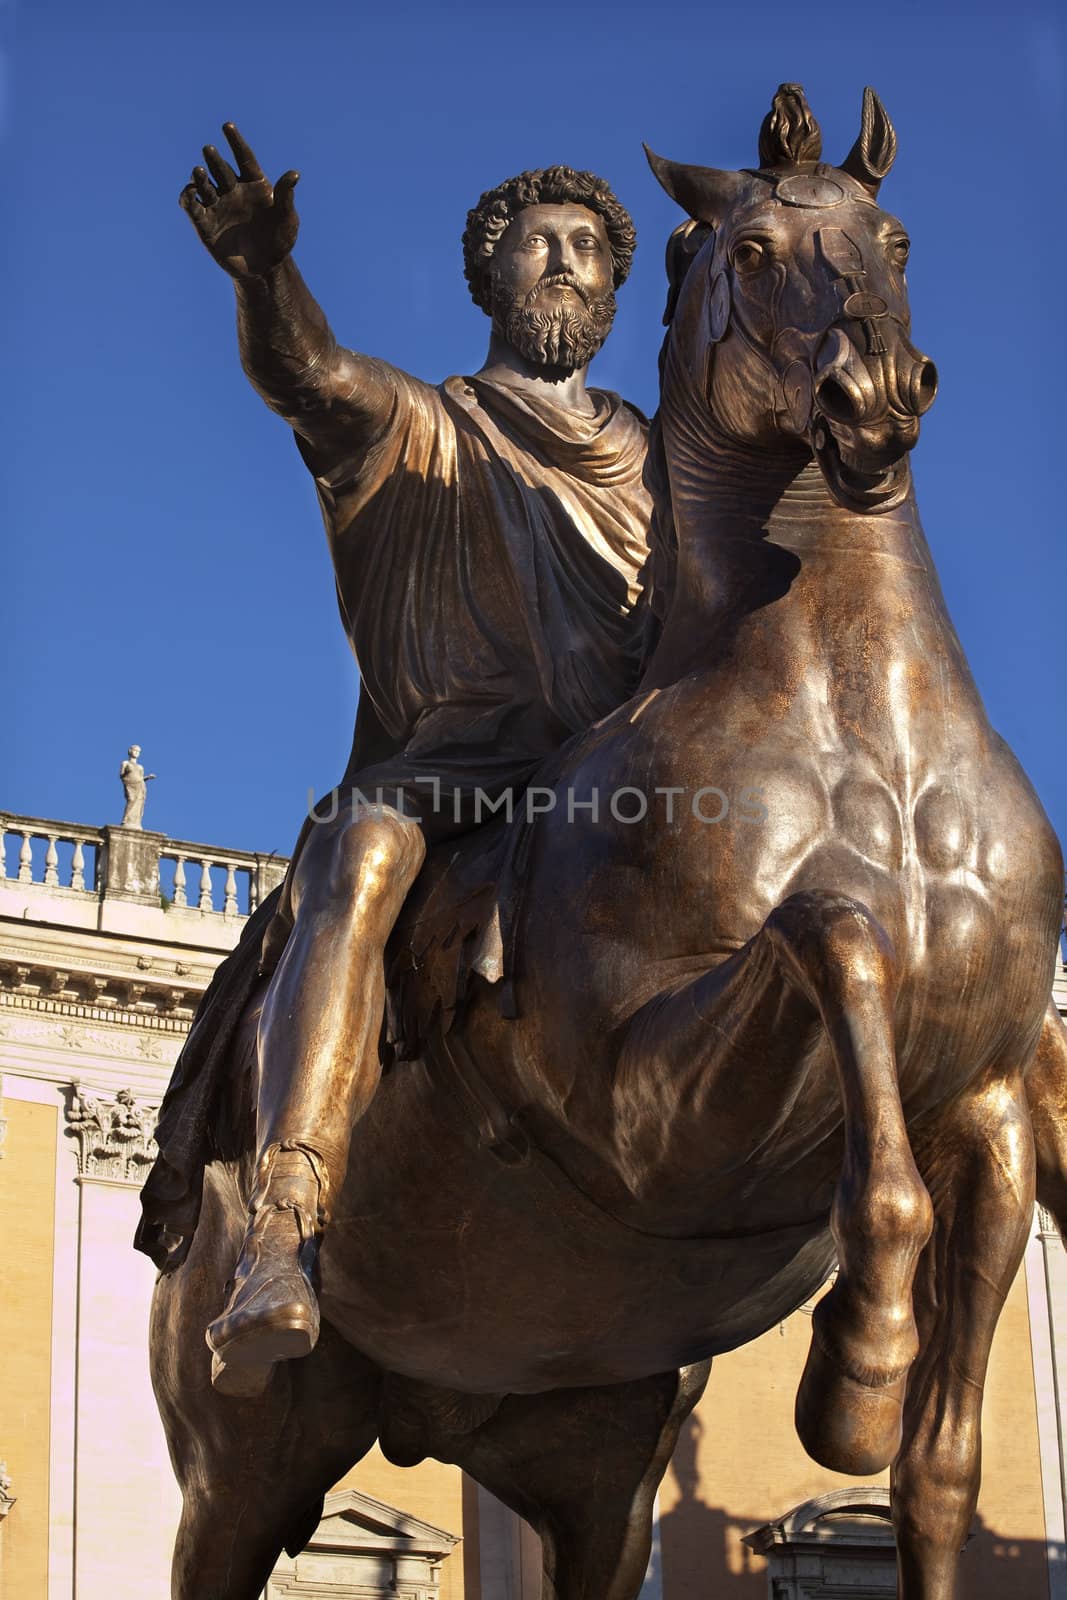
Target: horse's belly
<point>449,1265</point>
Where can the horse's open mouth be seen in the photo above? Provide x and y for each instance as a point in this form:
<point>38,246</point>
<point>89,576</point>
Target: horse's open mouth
<point>853,486</point>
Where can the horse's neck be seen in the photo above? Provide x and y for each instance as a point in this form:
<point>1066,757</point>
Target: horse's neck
<point>777,587</point>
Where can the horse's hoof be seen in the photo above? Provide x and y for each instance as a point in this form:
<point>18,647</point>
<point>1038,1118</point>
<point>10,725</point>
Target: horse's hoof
<point>844,1425</point>
<point>239,1383</point>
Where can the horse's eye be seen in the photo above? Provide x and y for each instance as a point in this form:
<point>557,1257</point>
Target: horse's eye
<point>748,256</point>
<point>900,250</point>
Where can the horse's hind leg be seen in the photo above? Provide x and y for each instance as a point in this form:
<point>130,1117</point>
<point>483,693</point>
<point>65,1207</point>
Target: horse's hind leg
<point>252,1472</point>
<point>582,1466</point>
<point>1046,1092</point>
<point>719,1062</point>
<point>978,1162</point>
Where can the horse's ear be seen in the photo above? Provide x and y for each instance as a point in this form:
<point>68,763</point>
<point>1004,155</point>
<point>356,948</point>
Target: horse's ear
<point>705,192</point>
<point>875,150</point>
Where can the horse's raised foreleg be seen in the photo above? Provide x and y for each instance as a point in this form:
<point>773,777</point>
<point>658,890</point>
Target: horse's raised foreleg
<point>711,1073</point>
<point>978,1162</point>
<point>252,1471</point>
<point>1046,1092</point>
<point>582,1466</point>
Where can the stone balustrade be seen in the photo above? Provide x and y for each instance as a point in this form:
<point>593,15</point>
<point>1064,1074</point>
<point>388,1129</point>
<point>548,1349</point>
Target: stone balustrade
<point>232,882</point>
<point>134,864</point>
<point>31,851</point>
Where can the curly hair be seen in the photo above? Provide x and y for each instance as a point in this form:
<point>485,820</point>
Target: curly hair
<point>487,223</point>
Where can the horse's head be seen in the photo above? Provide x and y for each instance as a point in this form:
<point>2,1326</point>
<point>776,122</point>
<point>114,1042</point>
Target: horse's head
<point>790,306</point>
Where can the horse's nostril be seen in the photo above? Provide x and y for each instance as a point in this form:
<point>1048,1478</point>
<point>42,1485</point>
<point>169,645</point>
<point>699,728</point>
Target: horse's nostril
<point>836,401</point>
<point>923,386</point>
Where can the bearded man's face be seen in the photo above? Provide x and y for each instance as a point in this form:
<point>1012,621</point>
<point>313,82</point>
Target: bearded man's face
<point>553,297</point>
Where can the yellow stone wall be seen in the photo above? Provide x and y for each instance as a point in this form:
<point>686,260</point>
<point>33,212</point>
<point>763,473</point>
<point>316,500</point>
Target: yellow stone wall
<point>740,1464</point>
<point>27,1206</point>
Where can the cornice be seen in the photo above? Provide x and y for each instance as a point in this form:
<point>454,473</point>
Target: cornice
<point>144,995</point>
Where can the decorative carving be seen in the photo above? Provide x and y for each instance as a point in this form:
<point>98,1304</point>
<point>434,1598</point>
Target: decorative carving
<point>126,1036</point>
<point>114,1140</point>
<point>65,992</point>
<point>7,1499</point>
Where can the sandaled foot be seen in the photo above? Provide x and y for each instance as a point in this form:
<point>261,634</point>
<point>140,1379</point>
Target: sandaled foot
<point>272,1313</point>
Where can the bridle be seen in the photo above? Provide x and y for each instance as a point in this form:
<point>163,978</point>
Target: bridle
<point>793,375</point>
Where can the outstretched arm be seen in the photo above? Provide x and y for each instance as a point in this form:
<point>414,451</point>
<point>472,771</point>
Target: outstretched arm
<point>328,394</point>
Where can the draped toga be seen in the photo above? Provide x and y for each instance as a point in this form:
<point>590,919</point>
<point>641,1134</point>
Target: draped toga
<point>490,550</point>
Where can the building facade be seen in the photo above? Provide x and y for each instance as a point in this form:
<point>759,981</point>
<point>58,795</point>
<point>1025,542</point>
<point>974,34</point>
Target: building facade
<point>108,938</point>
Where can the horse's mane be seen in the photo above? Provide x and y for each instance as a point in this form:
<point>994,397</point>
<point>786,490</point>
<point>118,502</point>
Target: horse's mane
<point>682,247</point>
<point>662,534</point>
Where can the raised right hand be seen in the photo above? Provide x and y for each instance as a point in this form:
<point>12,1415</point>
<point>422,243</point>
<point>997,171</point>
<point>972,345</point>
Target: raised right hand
<point>248,226</point>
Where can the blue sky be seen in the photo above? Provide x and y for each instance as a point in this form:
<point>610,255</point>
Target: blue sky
<point>166,577</point>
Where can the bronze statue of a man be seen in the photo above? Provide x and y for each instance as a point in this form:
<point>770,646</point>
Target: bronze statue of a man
<point>489,539</point>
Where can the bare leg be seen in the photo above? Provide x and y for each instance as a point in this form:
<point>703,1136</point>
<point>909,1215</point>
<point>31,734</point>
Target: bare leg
<point>582,1466</point>
<point>319,1032</point>
<point>318,1056</point>
<point>820,961</point>
<point>979,1164</point>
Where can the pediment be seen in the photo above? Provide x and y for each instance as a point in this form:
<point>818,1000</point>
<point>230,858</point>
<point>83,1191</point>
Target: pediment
<point>858,1518</point>
<point>352,1521</point>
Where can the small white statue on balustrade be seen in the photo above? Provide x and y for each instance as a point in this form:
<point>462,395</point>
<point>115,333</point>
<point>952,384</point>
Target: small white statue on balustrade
<point>134,778</point>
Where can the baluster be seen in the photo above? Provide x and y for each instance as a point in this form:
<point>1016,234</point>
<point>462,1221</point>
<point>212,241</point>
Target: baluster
<point>77,866</point>
<point>3,842</point>
<point>206,903</point>
<point>26,859</point>
<point>179,882</point>
<point>51,863</point>
<point>229,904</point>
<point>253,889</point>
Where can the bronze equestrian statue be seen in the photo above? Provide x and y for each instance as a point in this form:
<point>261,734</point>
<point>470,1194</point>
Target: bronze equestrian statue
<point>786,1002</point>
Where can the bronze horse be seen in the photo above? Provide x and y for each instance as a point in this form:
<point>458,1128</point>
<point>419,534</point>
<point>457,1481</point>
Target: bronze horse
<point>782,965</point>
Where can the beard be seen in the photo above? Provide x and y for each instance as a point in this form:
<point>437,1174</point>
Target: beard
<point>568,336</point>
